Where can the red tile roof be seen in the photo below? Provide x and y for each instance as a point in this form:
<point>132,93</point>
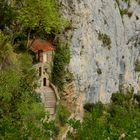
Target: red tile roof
<point>39,44</point>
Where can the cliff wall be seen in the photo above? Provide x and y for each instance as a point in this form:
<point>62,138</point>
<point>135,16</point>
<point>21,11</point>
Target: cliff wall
<point>105,45</point>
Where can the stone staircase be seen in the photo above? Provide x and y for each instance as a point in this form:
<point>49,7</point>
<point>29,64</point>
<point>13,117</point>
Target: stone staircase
<point>49,99</point>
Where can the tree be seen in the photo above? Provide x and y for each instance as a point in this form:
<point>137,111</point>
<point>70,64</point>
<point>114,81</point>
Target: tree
<point>61,60</point>
<point>40,16</point>
<point>25,19</point>
<point>6,52</point>
<point>21,113</point>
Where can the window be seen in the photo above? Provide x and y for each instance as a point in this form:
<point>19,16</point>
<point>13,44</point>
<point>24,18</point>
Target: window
<point>44,82</point>
<point>40,71</point>
<point>40,56</point>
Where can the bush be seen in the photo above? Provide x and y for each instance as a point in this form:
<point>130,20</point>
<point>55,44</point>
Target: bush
<point>126,12</point>
<point>118,98</point>
<point>117,120</point>
<point>62,115</point>
<point>21,112</point>
<point>137,98</point>
<point>137,65</point>
<point>89,107</point>
<point>105,39</point>
<point>99,71</point>
<point>61,60</point>
<point>122,99</point>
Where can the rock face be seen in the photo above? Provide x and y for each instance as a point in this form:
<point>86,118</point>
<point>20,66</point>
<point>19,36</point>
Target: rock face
<point>105,44</point>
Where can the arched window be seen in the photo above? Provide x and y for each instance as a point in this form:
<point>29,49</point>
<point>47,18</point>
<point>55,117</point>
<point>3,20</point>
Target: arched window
<point>44,82</point>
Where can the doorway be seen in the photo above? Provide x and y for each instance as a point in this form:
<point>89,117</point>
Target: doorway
<point>44,82</point>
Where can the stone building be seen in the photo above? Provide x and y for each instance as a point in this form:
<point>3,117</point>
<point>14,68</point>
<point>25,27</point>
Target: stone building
<point>43,55</point>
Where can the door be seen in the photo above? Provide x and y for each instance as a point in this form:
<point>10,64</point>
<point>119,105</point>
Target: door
<point>44,82</point>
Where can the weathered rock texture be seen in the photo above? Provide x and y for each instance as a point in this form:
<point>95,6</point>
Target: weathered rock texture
<point>98,69</point>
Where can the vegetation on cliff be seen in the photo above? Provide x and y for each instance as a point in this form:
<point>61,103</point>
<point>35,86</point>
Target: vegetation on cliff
<point>117,120</point>
<point>61,60</point>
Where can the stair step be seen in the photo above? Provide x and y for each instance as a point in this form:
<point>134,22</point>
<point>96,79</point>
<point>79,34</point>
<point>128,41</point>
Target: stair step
<point>50,99</point>
<point>48,93</point>
<point>50,96</point>
<point>50,104</point>
<point>50,110</point>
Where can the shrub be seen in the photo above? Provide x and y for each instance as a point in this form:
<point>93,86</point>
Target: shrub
<point>126,12</point>
<point>105,39</point>
<point>62,115</point>
<point>137,98</point>
<point>122,98</point>
<point>89,107</point>
<point>111,121</point>
<point>69,76</point>
<point>118,98</point>
<point>99,71</point>
<point>61,60</point>
<point>137,65</point>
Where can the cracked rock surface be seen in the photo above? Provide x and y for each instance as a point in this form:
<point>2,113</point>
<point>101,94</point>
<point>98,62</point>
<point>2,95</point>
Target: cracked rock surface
<point>101,63</point>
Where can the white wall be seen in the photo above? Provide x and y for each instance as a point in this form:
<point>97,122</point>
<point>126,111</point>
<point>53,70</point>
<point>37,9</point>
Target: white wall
<point>44,57</point>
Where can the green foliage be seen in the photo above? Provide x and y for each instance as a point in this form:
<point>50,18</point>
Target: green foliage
<point>137,65</point>
<point>105,40</point>
<point>9,80</point>
<point>126,12</point>
<point>117,120</point>
<point>61,60</point>
<point>41,15</point>
<point>69,76</point>
<point>75,124</point>
<point>21,113</point>
<point>62,115</point>
<point>121,98</point>
<point>22,20</point>
<point>6,52</point>
<point>90,106</point>
<point>7,14</point>
<point>51,127</point>
<point>99,71</point>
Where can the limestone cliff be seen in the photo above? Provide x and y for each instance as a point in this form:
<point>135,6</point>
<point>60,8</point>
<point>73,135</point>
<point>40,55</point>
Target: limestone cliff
<point>105,45</point>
